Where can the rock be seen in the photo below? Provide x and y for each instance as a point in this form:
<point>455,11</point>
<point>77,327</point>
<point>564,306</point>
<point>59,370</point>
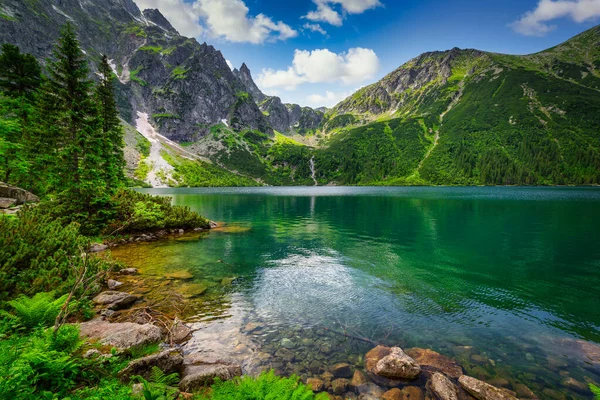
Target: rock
<point>112,284</point>
<point>315,367</point>
<point>393,394</point>
<point>358,379</point>
<point>106,313</point>
<point>169,361</point>
<point>523,392</point>
<point>252,326</point>
<point>128,271</point>
<point>315,384</point>
<point>180,332</point>
<point>213,224</point>
<point>412,393</point>
<point>340,385</point>
<point>478,358</point>
<point>391,363</point>
<point>137,389</point>
<point>97,247</point>
<point>342,370</point>
<point>124,335</point>
<point>91,353</point>
<point>197,376</point>
<point>6,202</point>
<point>327,377</point>
<point>499,381</point>
<point>371,389</point>
<point>287,343</point>
<point>227,281</point>
<point>182,275</point>
<point>21,196</point>
<point>483,391</point>
<point>576,385</point>
<point>191,290</point>
<point>325,349</point>
<point>430,358</point>
<point>552,394</point>
<point>285,354</point>
<point>441,386</point>
<point>115,300</point>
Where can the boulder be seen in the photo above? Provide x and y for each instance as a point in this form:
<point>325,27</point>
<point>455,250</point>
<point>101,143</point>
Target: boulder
<point>483,391</point>
<point>6,202</point>
<point>115,300</point>
<point>124,335</point>
<point>340,385</point>
<point>315,384</point>
<point>441,386</point>
<point>21,196</point>
<point>391,363</point>
<point>180,332</point>
<point>112,284</point>
<point>169,361</point>
<point>342,370</point>
<point>430,358</point>
<point>197,376</point>
<point>358,379</point>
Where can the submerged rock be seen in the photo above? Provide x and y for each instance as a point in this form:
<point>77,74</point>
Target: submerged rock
<point>342,370</point>
<point>358,379</point>
<point>123,336</point>
<point>115,300</point>
<point>391,363</point>
<point>182,275</point>
<point>315,384</point>
<point>197,376</point>
<point>441,386</point>
<point>430,358</point>
<point>169,361</point>
<point>483,391</point>
<point>340,385</point>
<point>412,393</point>
<point>523,392</point>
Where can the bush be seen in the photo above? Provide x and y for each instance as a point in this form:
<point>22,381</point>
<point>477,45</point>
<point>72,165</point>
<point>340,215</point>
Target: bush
<point>39,254</point>
<point>40,310</point>
<point>266,386</point>
<point>139,212</point>
<point>596,390</point>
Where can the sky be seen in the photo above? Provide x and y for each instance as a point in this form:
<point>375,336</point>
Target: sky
<point>317,52</point>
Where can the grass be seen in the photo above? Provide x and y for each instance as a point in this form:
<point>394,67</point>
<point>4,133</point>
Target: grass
<point>179,72</point>
<point>133,76</point>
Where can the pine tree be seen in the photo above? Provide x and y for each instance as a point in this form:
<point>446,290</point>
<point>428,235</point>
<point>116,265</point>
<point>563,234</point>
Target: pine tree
<point>112,132</point>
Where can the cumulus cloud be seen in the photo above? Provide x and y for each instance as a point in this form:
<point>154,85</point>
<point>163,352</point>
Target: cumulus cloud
<point>315,28</point>
<point>536,22</point>
<point>228,19</point>
<point>319,66</point>
<point>331,11</point>
<point>329,99</point>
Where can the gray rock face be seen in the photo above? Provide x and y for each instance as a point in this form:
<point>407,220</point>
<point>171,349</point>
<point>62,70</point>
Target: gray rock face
<point>123,335</point>
<point>21,196</point>
<point>197,376</point>
<point>244,75</point>
<point>6,202</point>
<point>483,391</point>
<point>442,387</point>
<point>186,86</point>
<point>169,361</point>
<point>115,300</point>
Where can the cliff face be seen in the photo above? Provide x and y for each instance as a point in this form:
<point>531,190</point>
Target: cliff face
<point>184,86</point>
<point>283,117</point>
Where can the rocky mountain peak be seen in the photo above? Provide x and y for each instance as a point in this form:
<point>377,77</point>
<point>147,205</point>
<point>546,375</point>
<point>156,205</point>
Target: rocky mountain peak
<point>244,75</point>
<point>154,16</point>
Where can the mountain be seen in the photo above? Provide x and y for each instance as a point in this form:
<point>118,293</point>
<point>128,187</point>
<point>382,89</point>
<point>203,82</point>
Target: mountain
<point>288,118</point>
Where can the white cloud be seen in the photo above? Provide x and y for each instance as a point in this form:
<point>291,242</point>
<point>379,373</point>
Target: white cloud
<point>326,13</point>
<point>330,99</point>
<point>184,17</point>
<point>227,19</point>
<point>535,22</point>
<point>319,66</point>
<point>315,28</point>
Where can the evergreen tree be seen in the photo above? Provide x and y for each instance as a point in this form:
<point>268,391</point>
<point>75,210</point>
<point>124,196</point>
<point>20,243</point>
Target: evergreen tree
<point>112,132</point>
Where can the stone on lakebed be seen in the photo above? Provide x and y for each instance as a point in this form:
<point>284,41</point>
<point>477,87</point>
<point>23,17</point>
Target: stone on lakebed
<point>391,363</point>
<point>430,358</point>
<point>483,391</point>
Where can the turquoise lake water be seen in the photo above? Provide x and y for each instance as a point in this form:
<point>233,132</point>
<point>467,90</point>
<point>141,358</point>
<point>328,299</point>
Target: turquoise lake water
<point>505,280</point>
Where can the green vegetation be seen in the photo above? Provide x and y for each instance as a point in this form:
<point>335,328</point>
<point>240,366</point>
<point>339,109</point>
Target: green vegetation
<point>179,72</point>
<point>596,391</point>
<point>143,169</point>
<point>143,145</point>
<point>135,29</point>
<point>133,76</point>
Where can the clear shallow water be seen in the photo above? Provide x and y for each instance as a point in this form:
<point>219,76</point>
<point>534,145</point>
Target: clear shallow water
<point>512,272</point>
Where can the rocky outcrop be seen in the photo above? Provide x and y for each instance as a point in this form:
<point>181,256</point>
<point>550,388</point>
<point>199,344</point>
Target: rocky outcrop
<point>442,387</point>
<point>483,391</point>
<point>437,361</point>
<point>6,202</point>
<point>391,363</point>
<point>20,196</point>
<point>197,376</point>
<point>123,335</point>
<point>154,16</point>
<point>168,361</point>
<point>114,300</point>
<point>245,76</point>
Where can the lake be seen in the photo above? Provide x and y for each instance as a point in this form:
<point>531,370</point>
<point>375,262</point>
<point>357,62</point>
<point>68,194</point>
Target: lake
<point>504,280</point>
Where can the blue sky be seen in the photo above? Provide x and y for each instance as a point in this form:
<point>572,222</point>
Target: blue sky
<point>316,52</point>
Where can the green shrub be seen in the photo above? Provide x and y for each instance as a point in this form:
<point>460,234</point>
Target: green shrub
<point>596,390</point>
<point>266,386</point>
<point>40,310</point>
<point>159,387</point>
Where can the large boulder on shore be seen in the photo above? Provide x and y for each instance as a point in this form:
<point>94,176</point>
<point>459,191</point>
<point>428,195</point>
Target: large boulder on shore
<point>115,300</point>
<point>483,391</point>
<point>122,335</point>
<point>437,361</point>
<point>391,363</point>
<point>21,196</point>
<point>169,361</point>
<point>197,376</point>
<point>441,386</point>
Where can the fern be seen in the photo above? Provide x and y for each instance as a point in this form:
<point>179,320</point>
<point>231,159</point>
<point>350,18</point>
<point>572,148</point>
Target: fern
<point>159,386</point>
<point>159,377</point>
<point>596,390</point>
<point>39,310</point>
